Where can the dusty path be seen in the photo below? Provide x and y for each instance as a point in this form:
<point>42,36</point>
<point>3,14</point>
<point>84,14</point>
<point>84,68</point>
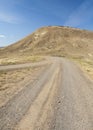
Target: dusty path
<point>61,99</point>
<point>20,66</point>
<point>75,108</point>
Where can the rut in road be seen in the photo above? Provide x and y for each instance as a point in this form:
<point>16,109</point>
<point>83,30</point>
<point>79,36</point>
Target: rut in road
<point>14,110</point>
<point>41,110</point>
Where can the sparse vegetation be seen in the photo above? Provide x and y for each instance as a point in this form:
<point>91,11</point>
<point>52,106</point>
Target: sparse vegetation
<point>85,64</point>
<point>19,59</point>
<point>13,81</point>
<point>11,77</point>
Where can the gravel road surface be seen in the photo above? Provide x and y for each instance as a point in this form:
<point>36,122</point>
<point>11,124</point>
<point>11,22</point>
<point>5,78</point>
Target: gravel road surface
<point>60,99</point>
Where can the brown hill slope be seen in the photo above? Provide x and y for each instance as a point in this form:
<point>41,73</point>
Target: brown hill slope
<point>55,40</point>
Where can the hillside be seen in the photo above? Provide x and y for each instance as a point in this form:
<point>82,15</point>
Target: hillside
<point>56,41</point>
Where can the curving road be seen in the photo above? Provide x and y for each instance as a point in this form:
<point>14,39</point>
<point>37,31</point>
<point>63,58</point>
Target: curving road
<point>60,99</point>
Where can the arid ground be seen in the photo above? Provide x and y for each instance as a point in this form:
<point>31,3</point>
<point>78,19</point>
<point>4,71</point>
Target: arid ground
<point>46,81</point>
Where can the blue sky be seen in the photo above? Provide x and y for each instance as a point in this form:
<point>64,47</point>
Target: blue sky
<point>19,18</point>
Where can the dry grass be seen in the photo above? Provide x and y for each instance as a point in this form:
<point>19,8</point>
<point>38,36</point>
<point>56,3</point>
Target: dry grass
<point>12,77</point>
<point>85,64</point>
<point>13,81</point>
<point>19,59</point>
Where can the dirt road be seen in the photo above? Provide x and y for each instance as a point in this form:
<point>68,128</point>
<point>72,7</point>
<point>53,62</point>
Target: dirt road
<point>60,99</point>
<point>20,66</point>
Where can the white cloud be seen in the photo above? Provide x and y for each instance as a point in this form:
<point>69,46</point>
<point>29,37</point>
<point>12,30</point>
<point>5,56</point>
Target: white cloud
<point>82,14</point>
<point>9,18</point>
<point>2,36</point>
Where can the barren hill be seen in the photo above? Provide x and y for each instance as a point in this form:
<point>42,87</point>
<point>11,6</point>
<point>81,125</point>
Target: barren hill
<point>56,41</point>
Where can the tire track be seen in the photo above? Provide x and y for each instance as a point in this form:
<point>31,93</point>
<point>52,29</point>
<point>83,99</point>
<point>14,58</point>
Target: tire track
<point>15,109</point>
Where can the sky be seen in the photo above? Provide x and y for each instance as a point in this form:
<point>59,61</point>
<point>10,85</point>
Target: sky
<point>19,18</point>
